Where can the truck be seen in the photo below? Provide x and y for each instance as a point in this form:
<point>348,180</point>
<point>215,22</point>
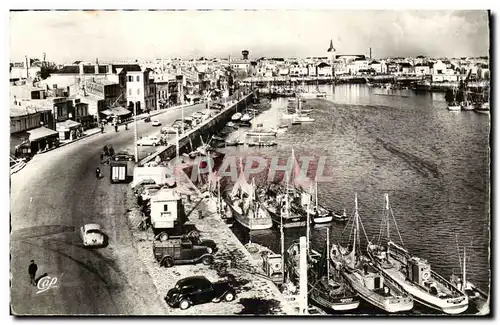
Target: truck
<point>181,251</point>
<point>122,168</point>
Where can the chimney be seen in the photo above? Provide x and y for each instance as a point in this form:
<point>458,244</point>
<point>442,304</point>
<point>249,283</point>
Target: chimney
<point>370,53</point>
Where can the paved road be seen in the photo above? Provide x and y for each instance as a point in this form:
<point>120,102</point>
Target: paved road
<point>51,198</point>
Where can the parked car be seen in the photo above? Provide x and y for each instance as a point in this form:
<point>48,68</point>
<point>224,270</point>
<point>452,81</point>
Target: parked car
<point>168,130</point>
<point>156,123</point>
<point>181,251</point>
<point>148,191</point>
<point>123,156</point>
<point>149,141</point>
<point>92,235</point>
<point>196,290</point>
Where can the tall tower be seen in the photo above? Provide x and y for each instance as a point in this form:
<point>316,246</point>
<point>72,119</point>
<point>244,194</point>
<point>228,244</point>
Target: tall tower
<point>244,53</point>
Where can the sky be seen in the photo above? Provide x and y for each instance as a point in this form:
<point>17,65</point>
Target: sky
<point>67,36</point>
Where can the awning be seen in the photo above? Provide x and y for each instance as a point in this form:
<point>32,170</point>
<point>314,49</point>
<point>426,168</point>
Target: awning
<point>118,111</point>
<point>67,125</point>
<point>40,133</point>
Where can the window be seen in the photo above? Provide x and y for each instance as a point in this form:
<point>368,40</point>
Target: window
<point>138,91</point>
<point>130,78</point>
<point>165,207</point>
<point>138,78</point>
<point>130,92</point>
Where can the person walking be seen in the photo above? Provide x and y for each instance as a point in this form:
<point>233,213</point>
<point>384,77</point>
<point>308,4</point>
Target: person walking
<point>116,127</point>
<point>32,272</point>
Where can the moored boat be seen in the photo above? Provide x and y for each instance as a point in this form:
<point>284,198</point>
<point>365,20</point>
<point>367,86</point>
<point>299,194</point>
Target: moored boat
<point>414,274</point>
<point>365,278</point>
<point>329,292</point>
<point>236,117</point>
<point>244,207</point>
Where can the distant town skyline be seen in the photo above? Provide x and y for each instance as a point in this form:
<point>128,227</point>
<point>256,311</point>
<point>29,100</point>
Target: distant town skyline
<point>67,36</point>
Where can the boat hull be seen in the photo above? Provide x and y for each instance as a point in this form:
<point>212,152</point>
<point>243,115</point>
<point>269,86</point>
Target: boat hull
<point>340,304</point>
<point>323,219</point>
<point>454,108</point>
<point>369,297</point>
<point>451,306</point>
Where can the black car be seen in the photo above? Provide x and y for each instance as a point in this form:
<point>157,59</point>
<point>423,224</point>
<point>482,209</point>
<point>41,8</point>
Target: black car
<point>196,290</point>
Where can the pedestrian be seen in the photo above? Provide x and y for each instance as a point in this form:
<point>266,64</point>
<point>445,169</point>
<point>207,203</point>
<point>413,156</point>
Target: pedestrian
<point>111,151</point>
<point>102,157</point>
<point>32,272</point>
<point>116,127</point>
<point>105,150</point>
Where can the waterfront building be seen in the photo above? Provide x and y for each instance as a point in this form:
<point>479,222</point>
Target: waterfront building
<point>140,90</point>
<point>376,66</point>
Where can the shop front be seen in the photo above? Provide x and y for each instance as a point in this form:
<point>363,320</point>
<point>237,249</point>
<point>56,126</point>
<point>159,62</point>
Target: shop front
<point>27,143</point>
<point>69,130</point>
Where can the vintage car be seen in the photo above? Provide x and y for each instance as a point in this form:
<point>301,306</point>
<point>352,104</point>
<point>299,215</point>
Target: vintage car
<point>156,123</point>
<point>148,141</point>
<point>92,235</point>
<point>197,290</point>
<point>182,251</point>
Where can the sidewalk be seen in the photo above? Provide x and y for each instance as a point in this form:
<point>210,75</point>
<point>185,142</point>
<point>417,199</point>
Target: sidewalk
<point>94,131</point>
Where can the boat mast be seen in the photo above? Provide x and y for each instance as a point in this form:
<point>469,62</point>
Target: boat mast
<point>328,254</point>
<point>316,191</point>
<point>308,222</point>
<point>219,202</point>
<point>387,215</point>
<point>282,238</point>
<point>356,225</point>
<point>463,273</point>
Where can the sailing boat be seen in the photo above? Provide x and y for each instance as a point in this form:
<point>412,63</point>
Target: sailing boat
<point>453,103</point>
<point>478,297</point>
<point>222,208</point>
<point>318,213</point>
<point>467,104</point>
<point>368,281</point>
<point>414,274</point>
<point>300,116</point>
<point>246,210</point>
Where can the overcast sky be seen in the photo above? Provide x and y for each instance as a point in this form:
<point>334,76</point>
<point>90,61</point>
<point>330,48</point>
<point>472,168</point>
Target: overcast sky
<point>67,36</point>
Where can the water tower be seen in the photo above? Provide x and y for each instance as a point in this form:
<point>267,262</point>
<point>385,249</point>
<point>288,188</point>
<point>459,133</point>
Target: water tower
<point>245,54</point>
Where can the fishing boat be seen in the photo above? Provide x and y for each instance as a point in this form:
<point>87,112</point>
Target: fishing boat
<point>262,144</point>
<point>329,291</point>
<point>365,278</point>
<point>236,117</point>
<point>339,216</point>
<point>234,142</point>
<point>281,129</point>
<point>475,295</point>
<point>305,204</point>
<point>277,202</point>
<point>246,117</point>
<point>484,108</point>
<point>412,273</point>
<point>222,208</point>
<point>260,131</point>
<point>453,99</point>
<point>244,207</point>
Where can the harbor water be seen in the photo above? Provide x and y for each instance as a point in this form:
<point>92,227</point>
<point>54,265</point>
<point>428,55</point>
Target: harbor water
<point>433,163</point>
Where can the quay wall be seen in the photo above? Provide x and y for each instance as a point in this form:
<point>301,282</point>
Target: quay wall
<point>205,129</point>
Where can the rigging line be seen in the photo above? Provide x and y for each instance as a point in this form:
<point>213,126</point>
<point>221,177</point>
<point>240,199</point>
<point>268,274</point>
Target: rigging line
<point>397,228</point>
<point>363,227</point>
<point>381,227</point>
<point>458,251</point>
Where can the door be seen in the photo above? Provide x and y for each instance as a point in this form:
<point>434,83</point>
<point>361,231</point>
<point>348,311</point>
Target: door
<point>204,291</point>
<point>118,173</point>
<point>187,252</point>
